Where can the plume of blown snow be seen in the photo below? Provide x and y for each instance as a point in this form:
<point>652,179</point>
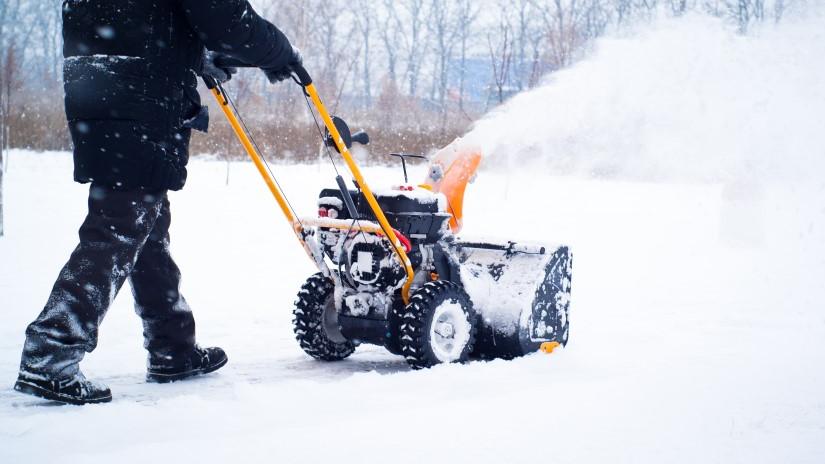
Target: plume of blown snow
<point>684,99</point>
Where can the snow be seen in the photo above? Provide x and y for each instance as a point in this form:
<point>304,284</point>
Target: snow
<point>682,348</point>
<point>331,201</point>
<point>696,335</point>
<point>684,99</point>
<point>505,301</point>
<point>101,62</point>
<point>420,195</point>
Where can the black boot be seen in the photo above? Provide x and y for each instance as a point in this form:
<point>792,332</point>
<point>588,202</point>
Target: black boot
<point>74,390</point>
<point>180,366</point>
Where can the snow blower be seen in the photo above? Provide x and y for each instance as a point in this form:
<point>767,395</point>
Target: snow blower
<point>392,271</point>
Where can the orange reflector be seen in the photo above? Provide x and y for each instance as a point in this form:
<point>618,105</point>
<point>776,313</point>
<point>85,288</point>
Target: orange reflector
<point>549,347</point>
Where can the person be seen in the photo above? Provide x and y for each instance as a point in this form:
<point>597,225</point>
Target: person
<point>131,100</point>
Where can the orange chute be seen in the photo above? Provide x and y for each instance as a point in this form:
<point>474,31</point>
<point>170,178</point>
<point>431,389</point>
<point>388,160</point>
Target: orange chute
<point>450,171</point>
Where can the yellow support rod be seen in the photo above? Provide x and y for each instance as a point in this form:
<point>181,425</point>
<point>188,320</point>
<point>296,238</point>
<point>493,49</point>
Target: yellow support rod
<point>259,163</point>
<point>370,197</point>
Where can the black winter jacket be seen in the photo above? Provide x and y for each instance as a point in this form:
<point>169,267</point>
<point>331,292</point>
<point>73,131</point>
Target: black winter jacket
<point>130,84</point>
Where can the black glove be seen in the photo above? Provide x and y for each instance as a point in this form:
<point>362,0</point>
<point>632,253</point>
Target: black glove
<point>284,73</point>
<point>209,68</point>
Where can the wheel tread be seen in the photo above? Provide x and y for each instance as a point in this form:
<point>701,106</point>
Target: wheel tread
<point>307,325</point>
<point>412,338</point>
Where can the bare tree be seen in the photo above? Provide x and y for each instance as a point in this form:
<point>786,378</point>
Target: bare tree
<point>623,10</point>
<point>11,30</point>
<point>390,35</point>
<point>442,25</point>
<point>745,12</point>
<point>466,16</point>
<point>780,7</point>
<point>741,12</point>
<point>501,56</point>
<point>9,82</point>
<point>523,23</point>
<point>2,171</point>
<point>596,18</point>
<point>364,20</point>
<point>678,7</point>
<point>53,36</point>
<point>329,26</point>
<point>647,9</point>
<point>561,19</point>
<point>412,40</point>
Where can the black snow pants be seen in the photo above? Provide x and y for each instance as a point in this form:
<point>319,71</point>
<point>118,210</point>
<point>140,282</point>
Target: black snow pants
<point>124,236</point>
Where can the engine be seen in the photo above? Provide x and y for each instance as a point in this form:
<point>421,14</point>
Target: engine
<point>366,263</point>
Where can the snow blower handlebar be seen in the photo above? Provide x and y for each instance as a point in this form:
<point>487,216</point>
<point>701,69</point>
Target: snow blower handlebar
<point>303,78</point>
<point>252,150</point>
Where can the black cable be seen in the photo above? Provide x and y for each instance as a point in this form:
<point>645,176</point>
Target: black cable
<point>263,158</point>
<point>231,102</point>
<point>342,255</point>
<point>321,133</point>
<point>332,160</point>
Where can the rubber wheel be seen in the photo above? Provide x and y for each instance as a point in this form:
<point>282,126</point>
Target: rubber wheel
<point>316,321</point>
<point>438,326</point>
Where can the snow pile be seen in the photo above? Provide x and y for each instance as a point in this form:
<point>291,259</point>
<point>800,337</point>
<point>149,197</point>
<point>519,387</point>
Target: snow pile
<point>685,99</point>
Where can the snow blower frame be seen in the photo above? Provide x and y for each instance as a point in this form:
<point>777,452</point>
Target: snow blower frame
<point>399,277</point>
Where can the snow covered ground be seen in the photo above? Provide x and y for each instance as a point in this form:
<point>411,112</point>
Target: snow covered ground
<point>697,319</point>
<point>683,348</point>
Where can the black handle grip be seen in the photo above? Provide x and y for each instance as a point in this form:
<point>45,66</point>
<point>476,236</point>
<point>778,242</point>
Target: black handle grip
<point>361,137</point>
<point>303,76</point>
<point>299,70</point>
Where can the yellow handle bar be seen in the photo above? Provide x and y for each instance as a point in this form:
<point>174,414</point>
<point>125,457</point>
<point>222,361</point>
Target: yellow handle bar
<point>257,159</point>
